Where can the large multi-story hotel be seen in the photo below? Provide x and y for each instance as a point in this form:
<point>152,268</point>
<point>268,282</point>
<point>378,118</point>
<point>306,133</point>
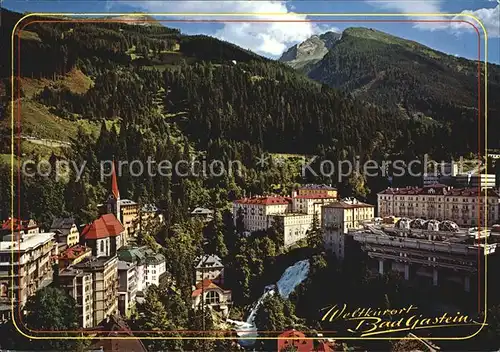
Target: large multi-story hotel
<point>465,206</point>
<point>26,259</point>
<point>427,251</point>
<point>340,217</point>
<point>293,214</point>
<point>255,210</point>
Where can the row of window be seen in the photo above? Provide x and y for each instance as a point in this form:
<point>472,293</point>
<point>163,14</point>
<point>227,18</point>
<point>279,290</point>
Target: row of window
<point>432,199</point>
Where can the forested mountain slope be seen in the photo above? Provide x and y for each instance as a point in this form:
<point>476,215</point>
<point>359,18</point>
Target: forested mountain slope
<point>410,79</point>
<point>215,86</point>
<point>93,91</point>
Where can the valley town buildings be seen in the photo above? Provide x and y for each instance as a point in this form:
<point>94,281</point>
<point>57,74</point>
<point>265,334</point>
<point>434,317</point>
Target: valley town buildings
<point>87,264</point>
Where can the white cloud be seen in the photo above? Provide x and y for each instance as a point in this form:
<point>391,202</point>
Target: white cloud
<point>489,17</point>
<point>267,38</point>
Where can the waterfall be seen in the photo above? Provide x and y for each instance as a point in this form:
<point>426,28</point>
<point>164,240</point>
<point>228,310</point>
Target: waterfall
<point>290,279</point>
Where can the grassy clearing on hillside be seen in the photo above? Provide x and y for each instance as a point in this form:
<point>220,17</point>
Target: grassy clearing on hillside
<point>29,148</point>
<point>27,35</point>
<point>30,151</point>
<point>75,80</point>
<point>37,121</point>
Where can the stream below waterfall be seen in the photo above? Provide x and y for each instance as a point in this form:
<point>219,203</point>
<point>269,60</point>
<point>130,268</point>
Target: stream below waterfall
<point>290,279</point>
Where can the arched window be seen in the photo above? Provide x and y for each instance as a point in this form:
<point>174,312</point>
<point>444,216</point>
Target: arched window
<point>212,297</point>
<point>102,245</point>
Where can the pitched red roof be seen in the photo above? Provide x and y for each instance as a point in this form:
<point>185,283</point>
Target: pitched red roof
<point>293,333</point>
<point>107,225</point>
<point>74,252</point>
<point>207,285</point>
<point>116,327</point>
<point>265,200</point>
<point>295,338</point>
<point>18,224</point>
<point>114,182</point>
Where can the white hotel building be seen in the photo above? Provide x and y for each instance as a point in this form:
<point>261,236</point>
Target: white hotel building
<point>465,206</point>
<point>295,214</point>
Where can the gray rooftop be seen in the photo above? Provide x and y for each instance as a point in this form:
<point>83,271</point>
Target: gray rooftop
<point>208,260</point>
<point>123,265</point>
<point>62,223</point>
<point>202,211</point>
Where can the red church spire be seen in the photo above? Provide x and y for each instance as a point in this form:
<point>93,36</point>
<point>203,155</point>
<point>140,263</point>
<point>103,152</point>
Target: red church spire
<point>114,182</point>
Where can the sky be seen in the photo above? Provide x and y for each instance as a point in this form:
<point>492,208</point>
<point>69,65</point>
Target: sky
<point>271,38</point>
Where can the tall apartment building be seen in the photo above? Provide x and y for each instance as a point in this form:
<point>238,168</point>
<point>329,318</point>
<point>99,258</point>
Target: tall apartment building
<point>137,257</point>
<point>156,266</point>
<point>465,206</point>
<point>340,217</point>
<point>127,290</point>
<point>100,276</point>
<point>30,267</point>
<point>295,226</point>
<point>79,284</point>
<point>428,251</point>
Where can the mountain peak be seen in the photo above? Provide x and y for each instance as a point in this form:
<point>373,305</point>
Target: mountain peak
<point>311,50</point>
<point>138,19</point>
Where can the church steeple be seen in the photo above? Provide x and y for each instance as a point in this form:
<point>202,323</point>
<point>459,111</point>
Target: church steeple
<point>114,182</point>
<point>114,198</point>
